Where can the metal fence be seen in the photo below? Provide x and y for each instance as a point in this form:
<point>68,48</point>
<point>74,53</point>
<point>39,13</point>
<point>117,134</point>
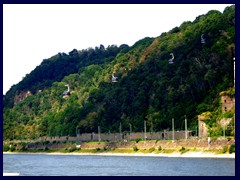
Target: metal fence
<point>113,137</point>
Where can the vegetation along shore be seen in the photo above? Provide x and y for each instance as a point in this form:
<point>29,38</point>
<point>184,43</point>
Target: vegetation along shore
<point>161,148</point>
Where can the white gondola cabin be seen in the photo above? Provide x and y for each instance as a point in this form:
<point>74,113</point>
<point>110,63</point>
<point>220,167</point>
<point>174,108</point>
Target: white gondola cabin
<point>114,79</point>
<point>66,93</point>
<point>172,58</point>
<point>203,39</point>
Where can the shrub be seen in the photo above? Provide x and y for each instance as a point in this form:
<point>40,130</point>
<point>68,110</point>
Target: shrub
<point>159,148</point>
<point>37,143</point>
<point>72,149</point>
<point>183,150</point>
<point>151,149</point>
<point>138,139</point>
<point>5,148</point>
<point>12,148</point>
<point>232,148</point>
<point>24,148</point>
<point>135,148</point>
<point>225,149</point>
<point>227,114</point>
<point>46,142</point>
<point>23,143</point>
<point>106,148</point>
<point>98,149</point>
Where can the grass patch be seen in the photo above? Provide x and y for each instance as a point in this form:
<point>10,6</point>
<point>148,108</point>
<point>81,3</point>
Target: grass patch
<point>152,149</point>
<point>168,151</point>
<point>96,143</point>
<point>194,149</point>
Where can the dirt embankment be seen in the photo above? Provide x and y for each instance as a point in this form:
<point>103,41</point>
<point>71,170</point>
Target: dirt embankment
<point>167,144</point>
<point>164,144</point>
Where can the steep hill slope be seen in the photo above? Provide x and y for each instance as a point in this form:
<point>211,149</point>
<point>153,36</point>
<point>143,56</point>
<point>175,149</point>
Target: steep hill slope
<point>148,88</point>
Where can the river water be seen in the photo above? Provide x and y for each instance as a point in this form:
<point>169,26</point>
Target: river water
<point>92,165</point>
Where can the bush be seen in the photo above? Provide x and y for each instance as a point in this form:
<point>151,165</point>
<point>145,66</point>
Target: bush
<point>138,139</point>
<point>72,149</point>
<point>225,149</point>
<point>227,114</point>
<point>106,148</point>
<point>151,149</point>
<point>232,148</point>
<point>46,142</point>
<point>135,148</point>
<point>159,148</point>
<point>98,149</point>
<point>37,143</point>
<point>23,143</point>
<point>24,148</point>
<point>12,148</point>
<point>5,148</point>
<point>183,150</point>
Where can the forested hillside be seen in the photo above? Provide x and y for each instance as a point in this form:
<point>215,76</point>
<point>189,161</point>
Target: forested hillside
<point>148,87</point>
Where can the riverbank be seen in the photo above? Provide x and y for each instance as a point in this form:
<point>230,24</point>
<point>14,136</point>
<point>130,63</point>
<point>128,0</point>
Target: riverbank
<point>222,148</point>
<point>198,154</point>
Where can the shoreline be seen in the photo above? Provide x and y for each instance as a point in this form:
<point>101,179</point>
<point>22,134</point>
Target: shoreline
<point>197,154</point>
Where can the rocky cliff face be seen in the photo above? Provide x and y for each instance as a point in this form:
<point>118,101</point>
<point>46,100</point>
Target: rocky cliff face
<point>21,96</point>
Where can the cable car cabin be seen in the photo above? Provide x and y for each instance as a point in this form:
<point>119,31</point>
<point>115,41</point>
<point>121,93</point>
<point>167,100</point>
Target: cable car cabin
<point>171,60</point>
<point>114,79</point>
<point>66,94</point>
<point>202,39</point>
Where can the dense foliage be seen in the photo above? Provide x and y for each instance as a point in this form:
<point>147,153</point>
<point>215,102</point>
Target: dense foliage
<point>148,87</point>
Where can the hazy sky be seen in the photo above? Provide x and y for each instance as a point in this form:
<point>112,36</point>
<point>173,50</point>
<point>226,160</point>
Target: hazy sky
<point>33,32</point>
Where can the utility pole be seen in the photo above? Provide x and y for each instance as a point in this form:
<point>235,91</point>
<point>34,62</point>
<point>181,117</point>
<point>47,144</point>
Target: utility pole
<point>130,128</point>
<point>145,129</point>
<point>186,132</point>
<point>173,129</point>
<point>130,132</point>
<point>196,131</point>
<point>151,127</point>
<point>120,130</point>
<point>99,138</point>
<point>198,127</point>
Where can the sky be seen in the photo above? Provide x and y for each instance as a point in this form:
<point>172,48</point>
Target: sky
<point>33,32</point>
